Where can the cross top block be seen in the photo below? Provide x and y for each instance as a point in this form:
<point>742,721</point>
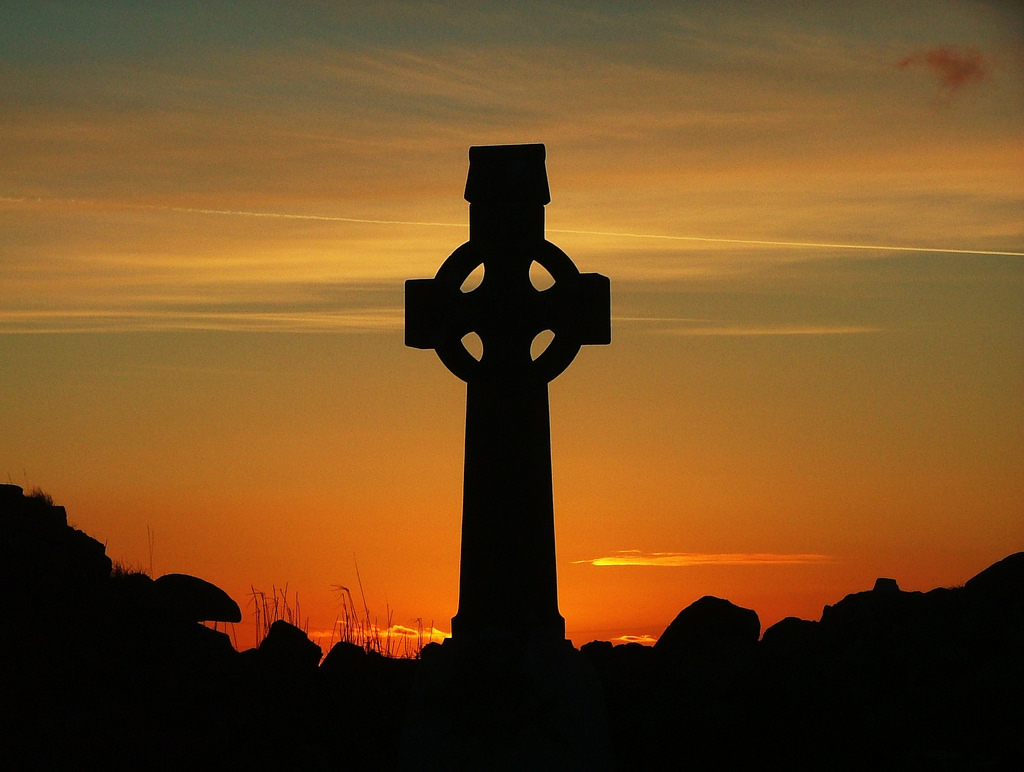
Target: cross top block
<point>507,189</point>
<point>507,173</point>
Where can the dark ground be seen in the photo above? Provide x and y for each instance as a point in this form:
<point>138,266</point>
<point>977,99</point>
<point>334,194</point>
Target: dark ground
<point>112,671</point>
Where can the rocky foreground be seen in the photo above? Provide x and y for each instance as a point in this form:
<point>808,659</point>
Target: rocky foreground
<point>103,669</point>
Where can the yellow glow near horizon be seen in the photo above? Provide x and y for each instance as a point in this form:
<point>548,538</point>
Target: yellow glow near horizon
<point>680,559</point>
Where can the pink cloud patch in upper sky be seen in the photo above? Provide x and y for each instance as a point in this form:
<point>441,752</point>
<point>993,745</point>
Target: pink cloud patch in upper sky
<point>953,67</point>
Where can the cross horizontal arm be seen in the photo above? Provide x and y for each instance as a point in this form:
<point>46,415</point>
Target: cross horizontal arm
<point>428,312</point>
<point>590,301</point>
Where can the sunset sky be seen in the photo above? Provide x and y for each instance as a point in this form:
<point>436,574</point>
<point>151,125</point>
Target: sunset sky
<point>812,216</point>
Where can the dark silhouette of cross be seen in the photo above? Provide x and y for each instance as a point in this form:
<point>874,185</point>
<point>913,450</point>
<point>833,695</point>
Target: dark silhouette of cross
<point>507,582</point>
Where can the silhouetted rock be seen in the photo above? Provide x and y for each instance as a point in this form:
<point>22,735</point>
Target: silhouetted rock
<point>792,637</point>
<point>344,661</point>
<point>506,704</point>
<point>886,586</point>
<point>597,651</point>
<point>46,566</point>
<point>101,666</point>
<point>429,650</point>
<point>1000,584</point>
<point>886,623</point>
<point>707,626</point>
<point>128,679</point>
<point>194,646</point>
<point>287,646</point>
<point>347,667</point>
<point>131,596</point>
<point>633,656</point>
<point>190,599</point>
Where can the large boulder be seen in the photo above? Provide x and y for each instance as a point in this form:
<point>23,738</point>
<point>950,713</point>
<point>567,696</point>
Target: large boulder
<point>710,626</point>
<point>288,647</point>
<point>49,569</point>
<point>994,620</point>
<point>883,618</point>
<point>36,541</point>
<point>184,598</point>
<point>792,638</point>
<point>344,660</point>
<point>1001,584</point>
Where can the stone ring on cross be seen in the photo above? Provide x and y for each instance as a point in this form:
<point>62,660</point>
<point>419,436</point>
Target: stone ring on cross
<point>507,311</point>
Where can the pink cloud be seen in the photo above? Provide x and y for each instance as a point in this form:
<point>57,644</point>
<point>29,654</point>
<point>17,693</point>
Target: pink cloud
<point>952,67</point>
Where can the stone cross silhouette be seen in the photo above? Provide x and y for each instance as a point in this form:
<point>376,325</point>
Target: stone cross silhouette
<point>507,581</point>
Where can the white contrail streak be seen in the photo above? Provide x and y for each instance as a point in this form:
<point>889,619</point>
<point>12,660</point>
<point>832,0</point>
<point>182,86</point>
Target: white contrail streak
<point>765,243</point>
<point>283,216</point>
<point>612,234</point>
<point>609,234</point>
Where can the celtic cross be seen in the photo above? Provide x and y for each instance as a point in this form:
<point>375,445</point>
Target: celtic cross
<point>507,580</point>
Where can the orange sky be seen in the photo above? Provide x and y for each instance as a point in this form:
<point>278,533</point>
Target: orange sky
<point>207,215</point>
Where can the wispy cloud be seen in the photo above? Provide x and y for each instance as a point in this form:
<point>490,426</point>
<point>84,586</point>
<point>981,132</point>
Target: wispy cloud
<point>74,321</point>
<point>779,330</point>
<point>709,327</point>
<point>696,326</point>
<point>686,559</point>
<point>645,639</point>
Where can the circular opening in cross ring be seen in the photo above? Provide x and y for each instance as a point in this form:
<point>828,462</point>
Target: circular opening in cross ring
<point>540,277</point>
<point>474,280</point>
<point>540,343</point>
<point>472,343</point>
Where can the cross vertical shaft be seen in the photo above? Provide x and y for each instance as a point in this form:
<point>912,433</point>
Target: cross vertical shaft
<point>508,581</point>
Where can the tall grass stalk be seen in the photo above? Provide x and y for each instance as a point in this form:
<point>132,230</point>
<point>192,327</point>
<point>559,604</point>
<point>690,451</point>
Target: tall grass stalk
<point>360,628</point>
<point>354,623</point>
<point>268,609</point>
